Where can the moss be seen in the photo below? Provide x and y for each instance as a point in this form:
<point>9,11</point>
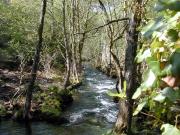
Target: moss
<point>52,101</point>
<point>51,107</point>
<point>2,110</point>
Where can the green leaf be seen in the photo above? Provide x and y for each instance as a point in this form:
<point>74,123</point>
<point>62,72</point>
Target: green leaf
<point>169,130</point>
<point>154,66</point>
<point>168,93</point>
<point>137,93</point>
<point>156,44</point>
<point>124,86</point>
<point>166,71</point>
<point>172,22</point>
<point>150,81</point>
<point>139,108</point>
<point>155,25</point>
<point>178,26</point>
<point>143,55</point>
<point>175,61</point>
<point>178,49</point>
<point>173,35</point>
<point>160,98</point>
<point>171,94</point>
<point>120,95</point>
<point>170,4</point>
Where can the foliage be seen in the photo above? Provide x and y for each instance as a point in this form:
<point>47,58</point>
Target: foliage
<point>161,52</point>
<point>159,91</point>
<point>20,25</point>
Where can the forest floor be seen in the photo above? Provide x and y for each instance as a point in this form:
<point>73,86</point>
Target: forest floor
<point>10,83</point>
<point>47,89</point>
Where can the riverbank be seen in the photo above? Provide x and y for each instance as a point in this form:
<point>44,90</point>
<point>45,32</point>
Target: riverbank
<point>49,99</point>
<point>92,112</point>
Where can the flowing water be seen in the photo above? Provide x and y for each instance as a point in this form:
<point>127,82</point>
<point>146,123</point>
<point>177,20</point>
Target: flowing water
<point>92,112</point>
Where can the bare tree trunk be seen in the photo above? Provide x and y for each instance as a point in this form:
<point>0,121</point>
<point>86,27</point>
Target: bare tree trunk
<point>80,48</point>
<point>48,63</point>
<point>83,38</point>
<point>75,11</point>
<point>124,120</point>
<point>110,34</point>
<point>119,72</point>
<point>105,55</point>
<point>52,21</point>
<point>67,49</point>
<point>36,62</point>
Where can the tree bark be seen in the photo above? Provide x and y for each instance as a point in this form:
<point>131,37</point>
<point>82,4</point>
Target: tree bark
<point>124,120</point>
<point>80,48</point>
<point>75,11</point>
<point>52,21</point>
<point>35,63</point>
<point>67,49</point>
<point>120,78</point>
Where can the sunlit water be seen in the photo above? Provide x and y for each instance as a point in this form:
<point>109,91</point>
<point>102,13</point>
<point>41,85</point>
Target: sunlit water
<point>92,112</point>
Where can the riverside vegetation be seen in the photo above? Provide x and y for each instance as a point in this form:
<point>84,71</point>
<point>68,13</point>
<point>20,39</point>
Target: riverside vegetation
<point>48,46</point>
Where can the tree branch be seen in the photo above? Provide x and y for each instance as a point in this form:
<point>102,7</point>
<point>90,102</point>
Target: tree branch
<point>108,23</point>
<point>121,34</point>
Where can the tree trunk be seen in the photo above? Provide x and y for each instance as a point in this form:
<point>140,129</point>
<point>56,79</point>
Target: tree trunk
<point>75,11</point>
<point>35,63</point>
<point>52,21</point>
<point>74,63</point>
<point>80,48</point>
<point>124,119</point>
<point>67,49</point>
<point>83,38</point>
<point>120,79</point>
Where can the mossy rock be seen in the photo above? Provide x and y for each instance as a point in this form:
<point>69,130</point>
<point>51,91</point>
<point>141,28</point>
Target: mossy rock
<point>64,96</point>
<point>2,110</point>
<point>52,101</point>
<point>51,107</point>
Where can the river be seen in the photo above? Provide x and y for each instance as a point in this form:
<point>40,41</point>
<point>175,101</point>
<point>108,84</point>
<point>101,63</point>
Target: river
<point>93,112</point>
